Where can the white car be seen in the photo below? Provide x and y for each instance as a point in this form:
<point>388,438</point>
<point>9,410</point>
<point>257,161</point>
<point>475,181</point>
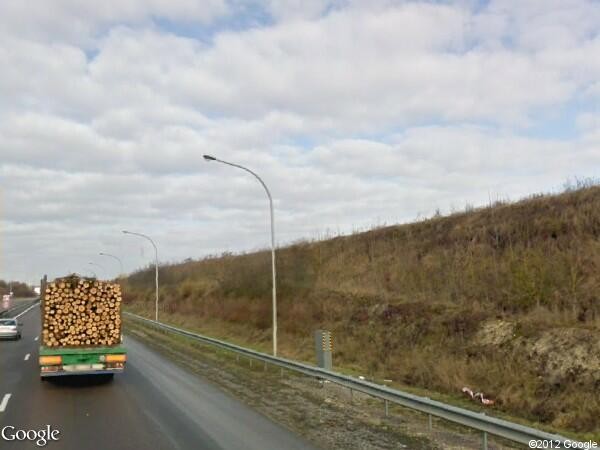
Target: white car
<point>10,328</point>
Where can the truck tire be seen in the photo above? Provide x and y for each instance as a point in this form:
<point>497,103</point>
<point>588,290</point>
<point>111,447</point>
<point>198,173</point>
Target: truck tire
<point>107,377</point>
<point>104,378</point>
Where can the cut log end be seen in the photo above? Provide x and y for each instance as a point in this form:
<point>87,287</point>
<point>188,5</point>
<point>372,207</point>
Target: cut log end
<point>78,312</point>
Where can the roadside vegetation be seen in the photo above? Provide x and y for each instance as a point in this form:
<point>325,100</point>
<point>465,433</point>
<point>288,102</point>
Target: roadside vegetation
<point>503,299</point>
<point>19,289</point>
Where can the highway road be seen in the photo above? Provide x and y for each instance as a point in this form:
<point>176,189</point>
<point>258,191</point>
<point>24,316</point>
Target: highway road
<point>14,306</point>
<point>153,405</point>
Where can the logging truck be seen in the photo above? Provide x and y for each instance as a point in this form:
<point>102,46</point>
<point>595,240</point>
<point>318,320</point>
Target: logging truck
<point>81,328</point>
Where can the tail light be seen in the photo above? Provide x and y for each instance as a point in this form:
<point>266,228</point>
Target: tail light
<point>50,360</point>
<point>115,358</point>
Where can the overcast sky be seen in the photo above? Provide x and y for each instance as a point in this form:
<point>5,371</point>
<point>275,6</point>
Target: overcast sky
<point>355,113</point>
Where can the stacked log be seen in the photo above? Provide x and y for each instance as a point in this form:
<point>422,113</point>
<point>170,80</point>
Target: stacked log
<point>80,312</point>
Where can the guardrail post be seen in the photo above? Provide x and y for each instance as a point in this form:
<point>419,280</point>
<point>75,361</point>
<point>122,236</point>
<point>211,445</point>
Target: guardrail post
<point>265,368</point>
<point>484,445</point>
<point>387,410</point>
<point>250,362</point>
<point>323,348</point>
<point>351,395</point>
<point>430,422</point>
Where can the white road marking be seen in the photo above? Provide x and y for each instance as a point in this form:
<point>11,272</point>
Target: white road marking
<point>4,402</point>
<point>36,338</point>
<point>26,311</point>
<point>27,356</point>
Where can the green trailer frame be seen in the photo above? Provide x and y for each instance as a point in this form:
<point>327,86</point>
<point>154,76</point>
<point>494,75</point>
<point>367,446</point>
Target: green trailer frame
<point>83,361</point>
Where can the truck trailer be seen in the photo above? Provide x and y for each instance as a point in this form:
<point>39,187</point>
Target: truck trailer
<point>81,328</point>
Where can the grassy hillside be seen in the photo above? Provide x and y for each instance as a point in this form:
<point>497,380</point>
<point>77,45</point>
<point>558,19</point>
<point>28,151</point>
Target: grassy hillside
<point>504,299</point>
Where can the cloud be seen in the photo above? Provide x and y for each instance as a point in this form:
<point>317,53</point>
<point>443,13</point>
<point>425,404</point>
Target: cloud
<point>297,9</point>
<point>80,22</point>
<point>354,113</point>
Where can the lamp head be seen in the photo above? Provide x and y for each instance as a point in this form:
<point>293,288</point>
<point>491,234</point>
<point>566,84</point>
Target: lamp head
<point>209,158</point>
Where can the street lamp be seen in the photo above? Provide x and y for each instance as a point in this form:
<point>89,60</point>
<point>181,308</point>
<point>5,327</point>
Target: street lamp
<point>97,265</point>
<point>155,266</point>
<point>210,158</point>
<point>114,257</point>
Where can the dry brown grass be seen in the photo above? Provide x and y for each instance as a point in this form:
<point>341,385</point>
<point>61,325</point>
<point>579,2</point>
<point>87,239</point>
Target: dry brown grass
<point>409,302</point>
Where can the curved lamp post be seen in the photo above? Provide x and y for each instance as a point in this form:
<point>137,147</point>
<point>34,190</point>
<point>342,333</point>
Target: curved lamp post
<point>155,266</point>
<point>114,257</point>
<point>97,265</point>
<point>210,158</point>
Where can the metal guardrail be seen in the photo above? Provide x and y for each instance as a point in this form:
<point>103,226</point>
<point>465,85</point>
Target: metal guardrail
<point>478,421</point>
<point>8,313</point>
<point>26,310</point>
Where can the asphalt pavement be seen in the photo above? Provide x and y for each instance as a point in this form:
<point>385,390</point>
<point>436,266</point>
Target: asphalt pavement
<point>154,404</point>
